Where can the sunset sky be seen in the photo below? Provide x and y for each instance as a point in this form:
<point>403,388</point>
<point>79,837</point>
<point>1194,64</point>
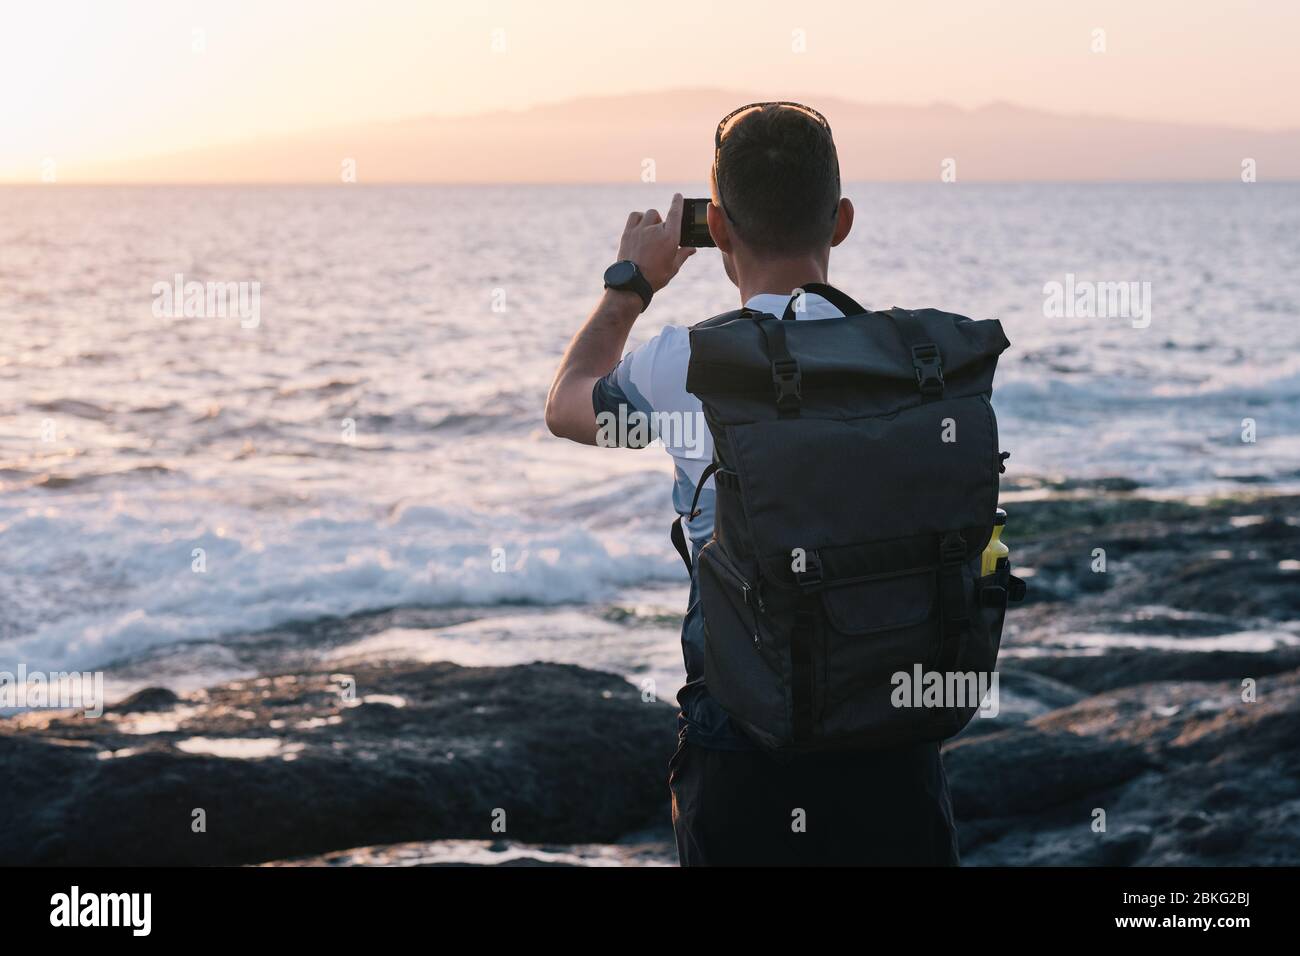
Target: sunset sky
<point>86,82</point>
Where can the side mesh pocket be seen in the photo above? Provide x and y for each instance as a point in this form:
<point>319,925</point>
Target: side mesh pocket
<point>990,612</point>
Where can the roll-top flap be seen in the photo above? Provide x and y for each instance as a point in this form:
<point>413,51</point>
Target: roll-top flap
<point>814,483</point>
<point>729,354</point>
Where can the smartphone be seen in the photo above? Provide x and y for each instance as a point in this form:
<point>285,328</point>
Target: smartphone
<point>695,223</point>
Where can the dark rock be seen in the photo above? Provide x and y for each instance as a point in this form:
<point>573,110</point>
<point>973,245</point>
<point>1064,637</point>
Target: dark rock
<point>1114,483</point>
<point>570,755</point>
<point>1091,582</point>
<point>1191,720</point>
<point>151,699</point>
<point>1222,560</point>
<point>1192,821</point>
<point>1160,623</point>
<point>1022,695</point>
<point>1187,773</point>
<point>1025,770</point>
<point>1123,668</point>
<point>1224,796</point>
<point>1135,520</point>
<point>1119,849</point>
<point>1218,840</point>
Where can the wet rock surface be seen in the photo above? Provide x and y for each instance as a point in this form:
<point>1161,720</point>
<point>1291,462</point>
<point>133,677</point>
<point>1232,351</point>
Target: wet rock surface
<point>1209,568</point>
<point>294,764</point>
<point>1177,772</point>
<point>1182,745</point>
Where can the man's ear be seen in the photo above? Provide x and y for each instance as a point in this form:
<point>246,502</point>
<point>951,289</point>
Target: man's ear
<point>718,228</point>
<point>843,221</point>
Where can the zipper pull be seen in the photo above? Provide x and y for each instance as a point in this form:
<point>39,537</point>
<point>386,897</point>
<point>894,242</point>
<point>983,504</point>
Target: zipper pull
<point>745,590</point>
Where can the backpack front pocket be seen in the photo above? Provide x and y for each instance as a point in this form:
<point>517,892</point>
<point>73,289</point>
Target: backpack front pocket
<point>877,628</point>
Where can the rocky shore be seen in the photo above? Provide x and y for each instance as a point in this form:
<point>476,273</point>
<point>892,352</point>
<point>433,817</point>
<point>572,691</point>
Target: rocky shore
<point>1150,710</point>
<point>1150,715</point>
<point>295,764</point>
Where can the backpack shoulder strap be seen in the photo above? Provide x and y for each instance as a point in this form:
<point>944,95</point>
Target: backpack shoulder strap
<point>677,533</point>
<point>831,294</point>
<point>723,318</point>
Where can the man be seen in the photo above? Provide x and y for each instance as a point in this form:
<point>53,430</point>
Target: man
<point>776,212</point>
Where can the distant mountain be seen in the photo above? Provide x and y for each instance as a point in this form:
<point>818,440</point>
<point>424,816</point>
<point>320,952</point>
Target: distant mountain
<point>608,138</point>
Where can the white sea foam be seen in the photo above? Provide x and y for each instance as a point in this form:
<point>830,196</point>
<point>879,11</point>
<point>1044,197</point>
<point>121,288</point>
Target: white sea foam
<point>266,568</point>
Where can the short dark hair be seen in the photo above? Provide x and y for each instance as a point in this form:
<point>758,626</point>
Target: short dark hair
<point>778,178</point>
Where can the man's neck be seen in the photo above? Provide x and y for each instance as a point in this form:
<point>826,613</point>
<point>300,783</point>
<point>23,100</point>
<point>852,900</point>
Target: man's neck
<point>780,278</point>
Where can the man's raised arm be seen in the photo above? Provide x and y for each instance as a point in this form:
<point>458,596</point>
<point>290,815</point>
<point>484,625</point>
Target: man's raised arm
<point>651,243</point>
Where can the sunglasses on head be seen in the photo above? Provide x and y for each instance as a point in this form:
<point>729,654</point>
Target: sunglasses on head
<point>736,115</point>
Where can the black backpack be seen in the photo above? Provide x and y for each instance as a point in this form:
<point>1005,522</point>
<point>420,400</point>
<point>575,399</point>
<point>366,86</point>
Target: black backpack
<point>856,465</point>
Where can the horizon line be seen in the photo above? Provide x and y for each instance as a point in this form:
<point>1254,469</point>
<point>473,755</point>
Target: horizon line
<point>932,104</point>
<point>290,134</point>
<point>482,184</point>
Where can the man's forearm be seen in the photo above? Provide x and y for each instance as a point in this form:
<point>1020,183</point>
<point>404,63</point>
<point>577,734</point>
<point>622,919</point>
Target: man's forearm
<point>595,349</point>
<point>598,345</point>
<point>651,243</point>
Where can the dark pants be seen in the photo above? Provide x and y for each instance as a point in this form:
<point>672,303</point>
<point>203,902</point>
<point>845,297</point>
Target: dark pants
<point>742,808</point>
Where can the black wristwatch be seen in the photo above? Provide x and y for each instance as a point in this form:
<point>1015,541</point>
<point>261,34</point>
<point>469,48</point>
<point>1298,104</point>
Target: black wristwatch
<point>625,276</point>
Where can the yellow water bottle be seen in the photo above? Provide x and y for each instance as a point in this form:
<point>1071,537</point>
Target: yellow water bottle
<point>996,550</point>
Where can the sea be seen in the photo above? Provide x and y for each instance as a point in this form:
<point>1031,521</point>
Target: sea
<point>361,428</point>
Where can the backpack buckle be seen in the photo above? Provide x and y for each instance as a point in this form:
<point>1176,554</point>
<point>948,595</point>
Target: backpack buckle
<point>928,364</point>
<point>788,381</point>
<point>811,576</point>
<point>952,548</point>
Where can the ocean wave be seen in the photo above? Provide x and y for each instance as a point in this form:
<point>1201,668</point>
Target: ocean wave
<point>55,482</point>
<point>254,576</point>
<point>75,407</point>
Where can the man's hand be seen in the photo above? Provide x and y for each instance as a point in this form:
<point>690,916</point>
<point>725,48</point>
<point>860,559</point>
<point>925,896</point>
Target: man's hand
<point>652,243</point>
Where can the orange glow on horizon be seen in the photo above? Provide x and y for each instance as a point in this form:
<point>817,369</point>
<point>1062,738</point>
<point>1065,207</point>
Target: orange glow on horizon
<point>87,84</point>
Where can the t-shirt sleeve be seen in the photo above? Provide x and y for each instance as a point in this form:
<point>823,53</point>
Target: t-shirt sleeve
<point>622,392</point>
<point>649,381</point>
<point>616,390</point>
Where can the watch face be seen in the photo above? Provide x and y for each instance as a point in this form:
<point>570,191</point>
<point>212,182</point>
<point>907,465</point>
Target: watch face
<point>620,273</point>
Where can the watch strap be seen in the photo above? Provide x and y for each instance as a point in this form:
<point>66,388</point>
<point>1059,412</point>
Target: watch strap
<point>638,284</point>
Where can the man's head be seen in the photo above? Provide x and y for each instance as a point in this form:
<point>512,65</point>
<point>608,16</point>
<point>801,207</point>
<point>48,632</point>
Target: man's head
<point>776,186</point>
